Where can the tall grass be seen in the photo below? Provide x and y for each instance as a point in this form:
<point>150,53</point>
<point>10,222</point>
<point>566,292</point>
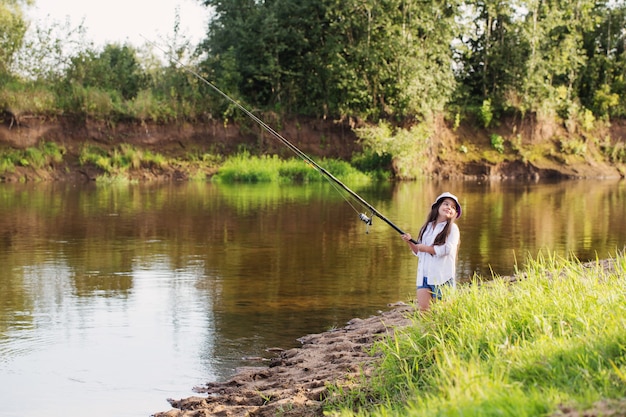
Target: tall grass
<point>26,98</point>
<point>123,158</point>
<point>37,157</point>
<point>554,337</point>
<point>246,168</point>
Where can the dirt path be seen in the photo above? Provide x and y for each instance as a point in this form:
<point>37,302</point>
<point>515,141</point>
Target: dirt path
<point>294,384</point>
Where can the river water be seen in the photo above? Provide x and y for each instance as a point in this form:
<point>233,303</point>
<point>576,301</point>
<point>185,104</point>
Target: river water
<point>115,298</point>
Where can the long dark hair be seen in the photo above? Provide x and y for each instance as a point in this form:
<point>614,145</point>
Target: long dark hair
<point>441,238</point>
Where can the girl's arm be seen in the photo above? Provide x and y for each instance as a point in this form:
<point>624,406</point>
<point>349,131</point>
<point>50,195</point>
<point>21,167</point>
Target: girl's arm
<point>417,247</point>
<point>425,248</point>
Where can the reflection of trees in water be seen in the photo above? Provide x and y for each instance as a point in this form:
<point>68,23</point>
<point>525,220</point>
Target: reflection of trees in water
<point>510,221</point>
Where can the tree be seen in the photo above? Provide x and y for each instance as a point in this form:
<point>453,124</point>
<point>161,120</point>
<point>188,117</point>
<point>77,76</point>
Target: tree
<point>334,58</point>
<point>116,68</point>
<point>602,83</point>
<point>12,30</point>
<point>492,59</point>
<point>554,31</point>
<point>47,50</point>
<point>243,31</point>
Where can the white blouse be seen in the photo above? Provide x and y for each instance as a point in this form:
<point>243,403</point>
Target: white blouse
<point>441,267</point>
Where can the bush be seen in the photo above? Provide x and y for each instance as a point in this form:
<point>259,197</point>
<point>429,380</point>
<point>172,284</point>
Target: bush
<point>486,113</point>
<point>497,142</point>
<point>407,149</point>
<point>573,146</point>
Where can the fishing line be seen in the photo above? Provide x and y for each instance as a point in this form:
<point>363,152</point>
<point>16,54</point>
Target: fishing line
<point>330,177</point>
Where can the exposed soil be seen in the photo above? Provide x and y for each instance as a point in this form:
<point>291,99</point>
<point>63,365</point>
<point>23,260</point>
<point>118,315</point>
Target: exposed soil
<point>296,382</point>
<point>183,141</point>
<point>532,150</point>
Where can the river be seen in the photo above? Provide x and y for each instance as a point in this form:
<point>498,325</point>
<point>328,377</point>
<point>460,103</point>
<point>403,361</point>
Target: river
<point>114,298</point>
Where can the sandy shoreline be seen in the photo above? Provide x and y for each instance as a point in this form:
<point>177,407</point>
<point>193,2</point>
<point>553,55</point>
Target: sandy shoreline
<point>294,383</point>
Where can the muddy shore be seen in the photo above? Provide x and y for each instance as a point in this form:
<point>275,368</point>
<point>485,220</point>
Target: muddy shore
<point>295,382</point>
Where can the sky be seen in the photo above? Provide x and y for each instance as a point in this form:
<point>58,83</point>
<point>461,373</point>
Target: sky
<point>125,21</point>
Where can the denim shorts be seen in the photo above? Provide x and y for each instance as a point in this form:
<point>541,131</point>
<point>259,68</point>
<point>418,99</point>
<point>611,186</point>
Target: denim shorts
<point>435,290</point>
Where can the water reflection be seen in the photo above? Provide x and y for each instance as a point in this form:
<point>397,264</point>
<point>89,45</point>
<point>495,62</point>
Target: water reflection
<point>123,296</point>
<point>510,221</point>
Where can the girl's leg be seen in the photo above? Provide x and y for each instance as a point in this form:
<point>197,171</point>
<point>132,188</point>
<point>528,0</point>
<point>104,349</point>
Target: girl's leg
<point>424,297</point>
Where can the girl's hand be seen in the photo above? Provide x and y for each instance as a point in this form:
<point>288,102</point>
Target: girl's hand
<point>406,237</point>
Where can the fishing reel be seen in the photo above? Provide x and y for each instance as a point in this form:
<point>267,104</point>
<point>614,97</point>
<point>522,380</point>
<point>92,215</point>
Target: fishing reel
<point>366,220</point>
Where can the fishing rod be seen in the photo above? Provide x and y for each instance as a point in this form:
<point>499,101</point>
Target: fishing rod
<point>362,216</point>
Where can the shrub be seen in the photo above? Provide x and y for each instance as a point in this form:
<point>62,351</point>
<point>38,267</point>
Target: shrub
<point>407,149</point>
<point>497,142</point>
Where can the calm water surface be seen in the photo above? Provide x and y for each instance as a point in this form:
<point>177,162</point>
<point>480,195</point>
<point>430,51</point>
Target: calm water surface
<point>115,298</point>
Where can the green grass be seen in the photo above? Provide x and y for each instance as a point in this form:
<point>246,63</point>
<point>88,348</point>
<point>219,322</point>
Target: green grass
<point>37,157</point>
<point>122,159</point>
<point>556,336</point>
<point>251,169</point>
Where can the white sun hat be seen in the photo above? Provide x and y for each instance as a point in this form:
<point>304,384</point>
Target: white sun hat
<point>452,196</point>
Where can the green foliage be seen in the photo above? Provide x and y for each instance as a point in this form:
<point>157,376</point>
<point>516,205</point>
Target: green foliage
<point>393,60</point>
<point>554,337</point>
<point>379,165</point>
<point>116,68</point>
<point>246,168</point>
<point>497,142</point>
<point>408,149</point>
<point>27,98</point>
<point>615,153</point>
<point>47,50</point>
<point>457,121</point>
<point>492,52</point>
<point>8,160</point>
<point>486,113</point>
<point>574,146</point>
<point>12,30</point>
<point>147,107</point>
<point>604,100</point>
<point>121,159</point>
<point>93,102</point>
<point>38,157</point>
<point>334,58</point>
<point>602,80</point>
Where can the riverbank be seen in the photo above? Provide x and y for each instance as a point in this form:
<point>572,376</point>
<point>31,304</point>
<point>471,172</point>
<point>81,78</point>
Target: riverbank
<point>298,381</point>
<point>527,150</point>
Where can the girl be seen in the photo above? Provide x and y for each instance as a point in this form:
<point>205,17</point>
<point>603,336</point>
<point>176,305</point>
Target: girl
<point>436,249</point>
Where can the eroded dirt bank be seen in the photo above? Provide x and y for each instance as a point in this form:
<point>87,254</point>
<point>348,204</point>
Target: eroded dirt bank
<point>532,150</point>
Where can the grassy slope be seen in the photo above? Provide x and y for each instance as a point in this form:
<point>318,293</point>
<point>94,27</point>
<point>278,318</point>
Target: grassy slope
<point>554,339</point>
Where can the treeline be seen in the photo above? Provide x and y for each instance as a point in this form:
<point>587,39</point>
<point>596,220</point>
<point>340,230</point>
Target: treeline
<point>395,60</point>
